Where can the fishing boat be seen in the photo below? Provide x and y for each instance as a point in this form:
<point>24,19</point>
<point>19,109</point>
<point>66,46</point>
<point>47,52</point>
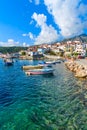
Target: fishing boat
<point>8,61</point>
<point>45,64</point>
<point>40,71</point>
<point>31,67</point>
<point>50,62</point>
<point>58,61</point>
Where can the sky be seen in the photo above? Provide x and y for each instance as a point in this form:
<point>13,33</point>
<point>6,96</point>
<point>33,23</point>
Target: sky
<point>31,22</point>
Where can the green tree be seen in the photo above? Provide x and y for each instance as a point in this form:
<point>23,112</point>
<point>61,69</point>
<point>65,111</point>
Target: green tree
<point>23,53</point>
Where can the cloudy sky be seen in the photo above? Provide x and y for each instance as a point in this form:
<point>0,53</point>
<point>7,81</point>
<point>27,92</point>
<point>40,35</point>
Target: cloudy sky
<point>29,22</point>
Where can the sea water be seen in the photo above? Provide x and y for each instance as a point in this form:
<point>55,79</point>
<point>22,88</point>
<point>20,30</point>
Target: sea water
<point>41,102</point>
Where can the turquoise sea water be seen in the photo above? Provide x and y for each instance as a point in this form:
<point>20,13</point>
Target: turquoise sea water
<point>56,102</point>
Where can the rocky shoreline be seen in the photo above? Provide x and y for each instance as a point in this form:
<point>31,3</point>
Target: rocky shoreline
<point>79,69</point>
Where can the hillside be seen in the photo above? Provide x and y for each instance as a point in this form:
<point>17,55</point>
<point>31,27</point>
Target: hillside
<point>82,38</point>
<point>5,50</point>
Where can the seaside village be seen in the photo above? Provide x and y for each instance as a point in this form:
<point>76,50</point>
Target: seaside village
<point>69,49</point>
<point>73,52</point>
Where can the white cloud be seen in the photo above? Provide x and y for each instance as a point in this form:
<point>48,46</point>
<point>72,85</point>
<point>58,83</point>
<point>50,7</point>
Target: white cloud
<point>30,1</point>
<point>24,35</point>
<point>10,42</point>
<point>39,18</point>
<point>37,2</point>
<point>48,34</point>
<point>31,22</point>
<point>30,35</point>
<point>25,44</point>
<point>68,15</point>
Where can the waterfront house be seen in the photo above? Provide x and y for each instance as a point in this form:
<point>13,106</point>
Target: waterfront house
<point>62,47</point>
<point>41,50</point>
<point>80,49</point>
<point>35,54</point>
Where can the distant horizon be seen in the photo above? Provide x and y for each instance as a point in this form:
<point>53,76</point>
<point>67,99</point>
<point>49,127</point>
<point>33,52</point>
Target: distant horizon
<point>28,22</point>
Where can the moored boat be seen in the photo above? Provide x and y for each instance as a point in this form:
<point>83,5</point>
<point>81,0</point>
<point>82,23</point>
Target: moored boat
<point>50,62</point>
<point>58,61</point>
<point>30,67</point>
<point>45,64</point>
<point>40,71</point>
<point>8,61</point>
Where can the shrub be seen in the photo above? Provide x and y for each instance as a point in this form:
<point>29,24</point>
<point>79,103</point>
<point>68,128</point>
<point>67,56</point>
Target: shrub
<point>23,53</point>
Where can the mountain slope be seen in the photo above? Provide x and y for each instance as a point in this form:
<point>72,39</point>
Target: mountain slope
<point>82,38</point>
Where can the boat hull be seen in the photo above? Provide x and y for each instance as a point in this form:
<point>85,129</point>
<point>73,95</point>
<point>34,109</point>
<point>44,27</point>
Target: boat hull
<point>45,64</point>
<point>8,63</point>
<point>29,67</point>
<point>39,72</point>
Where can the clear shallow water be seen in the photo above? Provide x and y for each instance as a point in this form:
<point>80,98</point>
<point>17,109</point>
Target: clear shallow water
<point>57,102</point>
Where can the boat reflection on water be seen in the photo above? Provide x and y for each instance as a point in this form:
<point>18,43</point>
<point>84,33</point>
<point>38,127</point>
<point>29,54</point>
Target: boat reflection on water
<point>48,75</point>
